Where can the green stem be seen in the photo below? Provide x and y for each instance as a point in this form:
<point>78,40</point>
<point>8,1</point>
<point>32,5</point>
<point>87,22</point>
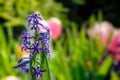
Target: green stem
<point>33,59</point>
<point>31,63</point>
<point>47,67</point>
<point>44,65</point>
<point>30,70</point>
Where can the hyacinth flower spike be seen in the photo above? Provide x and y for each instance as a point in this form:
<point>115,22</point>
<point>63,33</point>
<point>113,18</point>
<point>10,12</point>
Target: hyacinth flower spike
<point>37,42</point>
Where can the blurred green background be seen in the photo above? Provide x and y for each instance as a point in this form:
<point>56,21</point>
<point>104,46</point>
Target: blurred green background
<point>74,56</point>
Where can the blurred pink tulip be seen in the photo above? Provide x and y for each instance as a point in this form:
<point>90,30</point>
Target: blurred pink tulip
<point>114,46</point>
<point>55,26</point>
<point>101,31</point>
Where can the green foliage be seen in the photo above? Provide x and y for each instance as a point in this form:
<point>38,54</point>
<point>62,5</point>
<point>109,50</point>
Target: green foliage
<point>92,20</point>
<point>13,12</point>
<point>114,76</point>
<point>100,16</point>
<point>45,66</point>
<point>79,2</point>
<point>5,54</point>
<point>77,58</point>
<point>103,70</point>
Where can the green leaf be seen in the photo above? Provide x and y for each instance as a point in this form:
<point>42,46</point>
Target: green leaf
<point>92,20</point>
<point>64,69</point>
<point>104,68</point>
<point>80,2</point>
<point>45,66</point>
<point>114,76</point>
<point>100,16</point>
<point>5,52</point>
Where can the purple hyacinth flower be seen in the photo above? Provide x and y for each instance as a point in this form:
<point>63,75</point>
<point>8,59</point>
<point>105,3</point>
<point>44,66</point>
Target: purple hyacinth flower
<point>38,72</point>
<point>44,36</point>
<point>36,48</point>
<point>34,21</point>
<point>35,40</point>
<point>25,46</point>
<point>23,64</point>
<point>33,16</point>
<point>26,36</point>
<point>47,51</point>
<point>45,41</point>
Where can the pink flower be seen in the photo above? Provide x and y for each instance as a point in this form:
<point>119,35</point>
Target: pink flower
<point>101,31</point>
<point>55,27</point>
<point>114,46</point>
